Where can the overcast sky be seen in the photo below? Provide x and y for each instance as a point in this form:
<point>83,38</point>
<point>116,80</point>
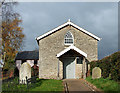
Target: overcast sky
<point>97,18</point>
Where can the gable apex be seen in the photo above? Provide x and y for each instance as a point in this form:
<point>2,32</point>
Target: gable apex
<point>65,24</point>
<point>72,47</point>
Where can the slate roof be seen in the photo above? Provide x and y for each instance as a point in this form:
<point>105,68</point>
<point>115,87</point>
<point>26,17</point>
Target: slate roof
<point>28,55</point>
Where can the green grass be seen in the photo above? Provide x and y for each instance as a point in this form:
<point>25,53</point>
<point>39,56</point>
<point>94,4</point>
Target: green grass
<point>48,85</point>
<point>13,86</point>
<point>106,85</point>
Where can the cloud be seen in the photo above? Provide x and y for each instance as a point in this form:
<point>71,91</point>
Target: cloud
<point>98,18</point>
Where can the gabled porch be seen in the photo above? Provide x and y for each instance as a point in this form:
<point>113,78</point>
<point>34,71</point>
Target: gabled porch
<point>72,63</point>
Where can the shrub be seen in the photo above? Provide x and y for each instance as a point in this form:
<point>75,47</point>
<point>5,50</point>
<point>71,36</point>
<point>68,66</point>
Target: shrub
<point>105,66</point>
<point>92,65</point>
<point>16,72</point>
<point>8,68</point>
<point>115,66</point>
<point>109,65</point>
<point>35,70</point>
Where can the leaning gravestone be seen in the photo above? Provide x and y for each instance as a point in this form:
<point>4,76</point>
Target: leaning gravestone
<point>96,73</point>
<point>25,70</point>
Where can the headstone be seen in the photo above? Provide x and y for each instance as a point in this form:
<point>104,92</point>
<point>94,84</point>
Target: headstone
<point>96,73</point>
<point>25,70</point>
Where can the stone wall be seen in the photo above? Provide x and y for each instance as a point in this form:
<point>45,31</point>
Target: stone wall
<point>78,71</point>
<point>51,45</point>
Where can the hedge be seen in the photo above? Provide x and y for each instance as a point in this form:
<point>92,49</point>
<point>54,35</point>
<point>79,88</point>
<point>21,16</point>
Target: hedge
<point>109,65</point>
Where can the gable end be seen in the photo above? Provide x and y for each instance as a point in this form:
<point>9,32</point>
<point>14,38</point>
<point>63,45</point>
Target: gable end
<point>64,25</point>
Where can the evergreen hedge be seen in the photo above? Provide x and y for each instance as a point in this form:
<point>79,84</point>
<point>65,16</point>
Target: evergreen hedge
<point>109,65</point>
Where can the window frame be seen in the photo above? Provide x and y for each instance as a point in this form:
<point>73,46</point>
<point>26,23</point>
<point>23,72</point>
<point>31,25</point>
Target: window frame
<point>68,38</point>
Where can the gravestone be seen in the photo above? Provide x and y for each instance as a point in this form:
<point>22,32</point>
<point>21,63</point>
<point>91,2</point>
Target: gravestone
<point>25,70</point>
<point>96,73</point>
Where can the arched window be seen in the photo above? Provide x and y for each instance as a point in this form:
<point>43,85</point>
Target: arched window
<point>68,38</point>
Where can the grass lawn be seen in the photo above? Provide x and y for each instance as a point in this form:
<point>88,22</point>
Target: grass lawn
<point>107,85</point>
<point>48,85</point>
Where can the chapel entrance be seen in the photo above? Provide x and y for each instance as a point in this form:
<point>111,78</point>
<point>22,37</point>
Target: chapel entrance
<point>69,68</point>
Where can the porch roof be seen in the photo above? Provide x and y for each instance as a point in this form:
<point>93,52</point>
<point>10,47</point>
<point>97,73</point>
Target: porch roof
<point>72,47</point>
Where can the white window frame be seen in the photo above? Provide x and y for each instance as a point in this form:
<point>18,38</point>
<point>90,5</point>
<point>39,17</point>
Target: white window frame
<point>69,38</point>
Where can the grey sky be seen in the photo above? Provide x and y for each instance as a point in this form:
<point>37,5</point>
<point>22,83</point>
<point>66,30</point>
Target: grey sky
<point>98,18</point>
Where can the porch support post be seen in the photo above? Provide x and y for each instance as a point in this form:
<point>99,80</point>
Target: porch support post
<point>84,68</point>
